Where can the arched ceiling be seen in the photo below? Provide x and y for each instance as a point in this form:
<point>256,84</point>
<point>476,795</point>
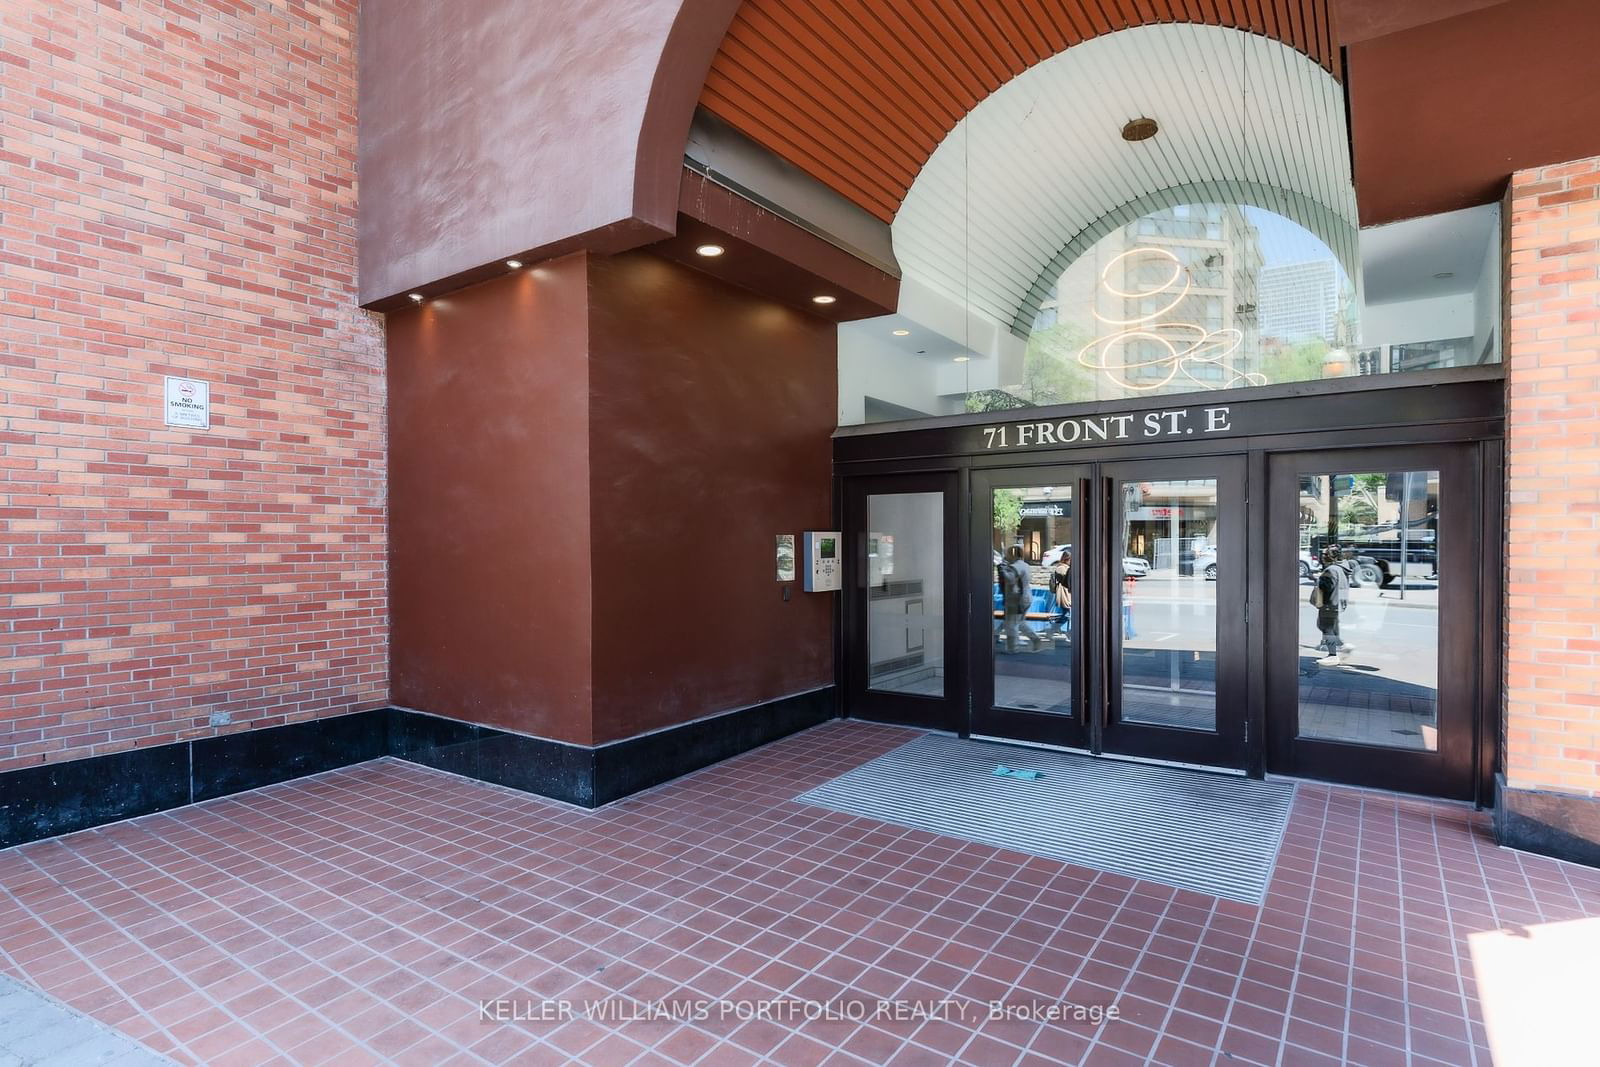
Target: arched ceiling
<point>1039,170</point>
<point>859,93</point>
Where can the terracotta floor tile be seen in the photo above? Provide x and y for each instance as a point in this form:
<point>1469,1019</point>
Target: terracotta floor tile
<point>361,916</point>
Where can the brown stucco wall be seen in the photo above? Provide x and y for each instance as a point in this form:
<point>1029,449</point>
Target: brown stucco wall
<point>1442,113</point>
<point>710,422</point>
<point>589,462</point>
<point>489,503</point>
<point>500,127</point>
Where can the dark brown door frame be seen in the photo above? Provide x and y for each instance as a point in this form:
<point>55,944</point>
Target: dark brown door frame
<point>860,701</point>
<point>1226,747</point>
<point>1455,770</point>
<point>1456,409</point>
<point>987,718</point>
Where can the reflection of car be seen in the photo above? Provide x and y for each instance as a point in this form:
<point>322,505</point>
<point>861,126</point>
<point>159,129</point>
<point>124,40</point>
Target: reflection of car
<point>1132,566</point>
<point>1309,566</point>
<point>1376,552</point>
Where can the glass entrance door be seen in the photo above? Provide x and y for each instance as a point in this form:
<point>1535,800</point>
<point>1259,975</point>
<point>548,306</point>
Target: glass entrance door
<point>1108,608</point>
<point>1373,607</point>
<point>1176,533</point>
<point>1033,593</point>
<point>903,663</point>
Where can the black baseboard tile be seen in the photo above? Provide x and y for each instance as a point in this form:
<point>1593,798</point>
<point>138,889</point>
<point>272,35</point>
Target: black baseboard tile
<point>636,763</point>
<point>59,798</point>
<point>1563,825</point>
<point>232,763</point>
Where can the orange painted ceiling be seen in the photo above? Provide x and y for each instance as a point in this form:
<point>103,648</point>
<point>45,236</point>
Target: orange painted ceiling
<point>858,93</point>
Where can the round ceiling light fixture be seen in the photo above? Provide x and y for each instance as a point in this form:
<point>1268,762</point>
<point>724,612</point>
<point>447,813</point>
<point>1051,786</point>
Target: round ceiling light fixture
<point>1442,275</point>
<point>709,251</point>
<point>513,263</point>
<point>1140,129</point>
<point>824,299</point>
<point>901,333</point>
<point>961,359</point>
<point>416,297</point>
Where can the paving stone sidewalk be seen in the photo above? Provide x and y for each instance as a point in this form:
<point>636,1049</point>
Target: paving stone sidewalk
<point>39,1031</point>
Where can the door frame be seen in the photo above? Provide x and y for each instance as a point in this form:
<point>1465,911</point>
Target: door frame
<point>1457,406</point>
<point>1453,770</point>
<point>986,719</point>
<point>860,701</point>
<point>1228,745</point>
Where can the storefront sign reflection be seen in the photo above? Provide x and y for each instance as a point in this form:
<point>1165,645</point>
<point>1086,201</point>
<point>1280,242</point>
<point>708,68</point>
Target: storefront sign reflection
<point>1094,429</point>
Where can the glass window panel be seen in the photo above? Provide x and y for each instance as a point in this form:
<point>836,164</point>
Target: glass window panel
<point>1169,603</point>
<point>1369,658</point>
<point>1032,557</point>
<point>905,594</point>
<point>1185,299</point>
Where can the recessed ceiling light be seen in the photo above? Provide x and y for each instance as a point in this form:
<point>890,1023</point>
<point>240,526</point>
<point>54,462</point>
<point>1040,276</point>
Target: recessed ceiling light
<point>417,297</point>
<point>1140,129</point>
<point>709,250</point>
<point>1445,274</point>
<point>962,359</point>
<point>823,299</point>
<point>513,263</point>
<point>902,333</point>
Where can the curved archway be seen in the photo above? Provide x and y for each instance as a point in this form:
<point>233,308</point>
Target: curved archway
<point>1334,231</point>
<point>859,93</point>
<point>1039,168</point>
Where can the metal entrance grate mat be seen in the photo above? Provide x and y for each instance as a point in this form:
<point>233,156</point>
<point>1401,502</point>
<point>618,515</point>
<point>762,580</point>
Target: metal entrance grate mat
<point>1213,833</point>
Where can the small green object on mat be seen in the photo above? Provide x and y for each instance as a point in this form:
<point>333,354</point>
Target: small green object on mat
<point>1002,771</point>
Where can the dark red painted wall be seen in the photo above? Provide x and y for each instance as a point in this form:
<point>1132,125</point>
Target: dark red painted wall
<point>710,420</point>
<point>496,128</point>
<point>489,503</point>
<point>589,463</point>
<point>1442,113</point>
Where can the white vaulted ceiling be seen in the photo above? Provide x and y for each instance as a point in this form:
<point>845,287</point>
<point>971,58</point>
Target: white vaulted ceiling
<point>1038,170</point>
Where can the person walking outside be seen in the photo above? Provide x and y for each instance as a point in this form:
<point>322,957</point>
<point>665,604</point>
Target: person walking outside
<point>1331,597</point>
<point>1061,591</point>
<point>1015,578</point>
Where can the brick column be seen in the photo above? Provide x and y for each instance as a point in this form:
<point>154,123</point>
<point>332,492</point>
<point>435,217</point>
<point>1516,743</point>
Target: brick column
<point>1552,354</point>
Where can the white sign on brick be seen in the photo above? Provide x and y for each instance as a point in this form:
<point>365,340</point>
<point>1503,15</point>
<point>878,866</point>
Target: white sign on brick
<point>188,403</point>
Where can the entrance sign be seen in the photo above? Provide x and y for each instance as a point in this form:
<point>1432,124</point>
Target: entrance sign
<point>188,403</point>
<point>1165,424</point>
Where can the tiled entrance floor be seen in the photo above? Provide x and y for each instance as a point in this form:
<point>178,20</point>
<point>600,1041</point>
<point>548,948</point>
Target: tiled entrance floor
<point>364,914</point>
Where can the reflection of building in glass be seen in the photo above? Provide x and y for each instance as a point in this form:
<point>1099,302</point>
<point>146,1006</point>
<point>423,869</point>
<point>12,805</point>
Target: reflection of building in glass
<point>1300,301</point>
<point>1216,253</point>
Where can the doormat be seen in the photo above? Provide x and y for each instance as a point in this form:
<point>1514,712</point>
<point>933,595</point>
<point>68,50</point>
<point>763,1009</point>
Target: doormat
<point>1212,833</point>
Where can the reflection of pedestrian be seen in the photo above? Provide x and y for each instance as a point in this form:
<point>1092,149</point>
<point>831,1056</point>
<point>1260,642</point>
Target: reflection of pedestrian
<point>1352,572</point>
<point>1061,591</point>
<point>1330,597</point>
<point>1014,578</point>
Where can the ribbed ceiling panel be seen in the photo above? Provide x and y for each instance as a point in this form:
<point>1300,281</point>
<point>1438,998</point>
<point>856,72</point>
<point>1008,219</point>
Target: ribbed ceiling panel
<point>858,93</point>
<point>1038,170</point>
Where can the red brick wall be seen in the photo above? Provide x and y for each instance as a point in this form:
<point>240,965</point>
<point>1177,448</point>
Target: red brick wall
<point>1553,480</point>
<point>177,196</point>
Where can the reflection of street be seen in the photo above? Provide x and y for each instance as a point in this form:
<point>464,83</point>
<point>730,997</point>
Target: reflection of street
<point>1169,650</point>
<point>1171,612</point>
<point>1385,690</point>
<point>1035,681</point>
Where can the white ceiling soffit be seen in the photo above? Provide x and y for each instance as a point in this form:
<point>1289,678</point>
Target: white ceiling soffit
<point>1038,171</point>
<point>1403,260</point>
